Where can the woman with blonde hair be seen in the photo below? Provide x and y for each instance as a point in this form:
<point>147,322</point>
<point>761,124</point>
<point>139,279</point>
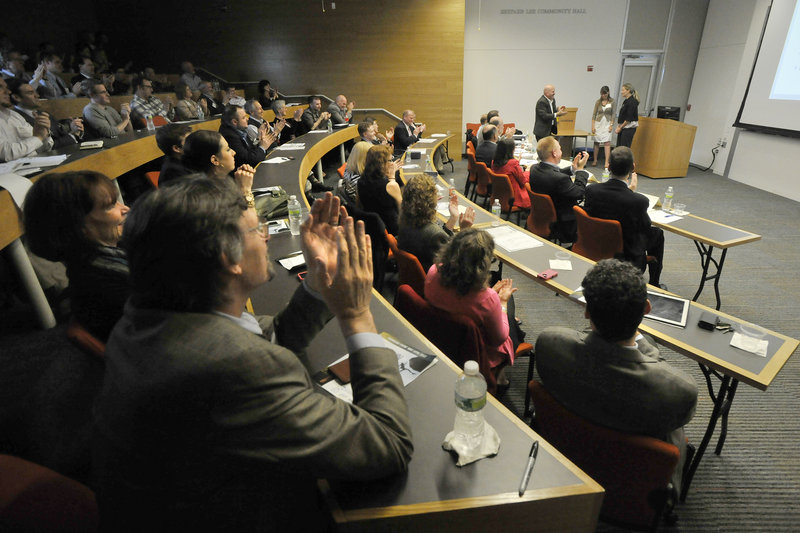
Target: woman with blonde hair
<point>628,119</point>
<point>348,185</point>
<point>419,233</point>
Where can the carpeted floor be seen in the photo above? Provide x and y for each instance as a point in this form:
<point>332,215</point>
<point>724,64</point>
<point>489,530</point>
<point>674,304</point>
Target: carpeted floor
<point>46,386</point>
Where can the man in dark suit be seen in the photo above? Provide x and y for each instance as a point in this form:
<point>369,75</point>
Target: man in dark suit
<point>616,199</point>
<point>208,419</point>
<point>546,114</point>
<point>406,132</point>
<point>614,376</point>
<point>486,150</point>
<point>548,178</point>
<point>26,103</point>
<point>234,128</point>
<point>85,72</point>
<point>207,93</point>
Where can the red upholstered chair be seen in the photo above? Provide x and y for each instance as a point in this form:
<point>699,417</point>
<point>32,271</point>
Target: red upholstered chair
<point>85,341</point>
<point>409,269</point>
<point>510,125</point>
<point>340,170</point>
<point>634,470</point>
<point>153,177</point>
<point>483,186</point>
<point>456,336</point>
<point>158,121</point>
<point>35,498</point>
<point>598,238</point>
<point>542,216</point>
<point>474,126</point>
<point>503,191</point>
<point>472,171</point>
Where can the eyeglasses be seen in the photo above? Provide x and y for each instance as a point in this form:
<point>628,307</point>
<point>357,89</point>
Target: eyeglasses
<point>261,228</point>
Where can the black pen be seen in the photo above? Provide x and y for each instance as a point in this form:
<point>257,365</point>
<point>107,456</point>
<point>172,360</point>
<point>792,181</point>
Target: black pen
<point>529,467</point>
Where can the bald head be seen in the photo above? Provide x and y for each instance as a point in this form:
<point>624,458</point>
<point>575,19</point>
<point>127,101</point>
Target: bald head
<point>341,100</point>
<point>549,91</point>
<point>409,117</point>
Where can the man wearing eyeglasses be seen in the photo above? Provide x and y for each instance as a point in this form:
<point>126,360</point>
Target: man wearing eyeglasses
<point>102,119</point>
<point>208,419</point>
<point>144,103</point>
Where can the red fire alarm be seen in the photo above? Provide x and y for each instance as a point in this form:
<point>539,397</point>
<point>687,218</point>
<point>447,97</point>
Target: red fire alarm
<point>589,68</point>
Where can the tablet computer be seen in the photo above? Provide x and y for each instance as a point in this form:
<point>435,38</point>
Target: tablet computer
<point>668,309</point>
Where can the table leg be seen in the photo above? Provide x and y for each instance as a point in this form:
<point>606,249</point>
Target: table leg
<point>706,258</point>
<point>725,410</point>
<point>19,258</point>
<point>719,401</point>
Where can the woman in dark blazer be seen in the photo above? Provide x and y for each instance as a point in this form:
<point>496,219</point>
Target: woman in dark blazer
<point>628,116</point>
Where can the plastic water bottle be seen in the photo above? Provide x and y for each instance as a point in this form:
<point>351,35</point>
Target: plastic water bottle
<point>294,215</point>
<point>666,205</point>
<point>470,401</point>
<point>496,211</point>
<point>330,126</point>
<point>150,125</point>
<point>605,175</point>
<point>452,189</point>
<point>428,164</point>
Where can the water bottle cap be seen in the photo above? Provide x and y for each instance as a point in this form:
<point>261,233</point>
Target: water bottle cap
<point>471,368</point>
<point>292,197</point>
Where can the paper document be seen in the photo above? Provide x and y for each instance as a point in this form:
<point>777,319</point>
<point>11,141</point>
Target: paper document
<point>561,264</point>
<point>511,239</point>
<point>291,146</point>
<point>277,226</point>
<point>276,160</point>
<point>48,161</point>
<point>651,199</point>
<point>292,261</point>
<point>16,186</point>
<point>428,140</point>
<point>662,217</point>
<point>443,208</point>
<point>439,135</point>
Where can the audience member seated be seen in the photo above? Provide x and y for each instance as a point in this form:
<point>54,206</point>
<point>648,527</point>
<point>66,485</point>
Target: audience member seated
<point>484,121</point>
<point>617,199</point>
<point>144,104</point>
<point>419,232</point>
<point>188,77</point>
<point>267,94</point>
<point>75,217</point>
<point>313,118</point>
<point>290,125</point>
<point>213,106</point>
<point>18,138</point>
<point>380,138</point>
<point>186,108</point>
<point>613,375</point>
<point>378,191</point>
<point>234,128</point>
<point>14,68</point>
<point>208,152</point>
<point>102,120</point>
<point>368,131</point>
<point>26,103</point>
<point>504,163</point>
<point>51,85</point>
<point>485,152</point>
<point>348,185</point>
<point>547,178</point>
<point>220,399</point>
<point>159,82</point>
<point>340,110</point>
<point>406,132</point>
<point>256,121</point>
<point>458,282</point>
<point>85,72</point>
<point>170,140</point>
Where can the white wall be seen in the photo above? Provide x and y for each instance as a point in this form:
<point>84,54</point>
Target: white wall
<point>512,56</point>
<point>727,51</point>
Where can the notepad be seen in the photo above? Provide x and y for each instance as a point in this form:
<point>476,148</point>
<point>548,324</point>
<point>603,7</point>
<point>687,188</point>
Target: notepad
<point>512,240</point>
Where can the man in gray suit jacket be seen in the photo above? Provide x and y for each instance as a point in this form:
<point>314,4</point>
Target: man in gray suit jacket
<point>613,375</point>
<point>547,113</point>
<point>208,419</point>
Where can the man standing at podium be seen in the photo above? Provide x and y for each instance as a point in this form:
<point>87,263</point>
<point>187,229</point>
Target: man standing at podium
<point>547,114</point>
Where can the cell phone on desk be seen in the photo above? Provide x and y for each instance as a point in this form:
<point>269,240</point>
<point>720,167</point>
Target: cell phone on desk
<point>548,274</point>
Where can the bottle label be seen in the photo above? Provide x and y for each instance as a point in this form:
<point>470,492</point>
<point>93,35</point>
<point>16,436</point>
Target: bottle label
<point>470,404</point>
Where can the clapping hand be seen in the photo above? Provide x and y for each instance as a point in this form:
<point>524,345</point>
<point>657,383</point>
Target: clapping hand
<point>504,290</point>
<point>580,160</point>
<point>244,178</point>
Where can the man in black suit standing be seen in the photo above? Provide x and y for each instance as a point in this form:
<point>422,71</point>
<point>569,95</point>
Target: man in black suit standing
<point>234,129</point>
<point>548,178</point>
<point>547,113</point>
<point>485,152</point>
<point>617,199</point>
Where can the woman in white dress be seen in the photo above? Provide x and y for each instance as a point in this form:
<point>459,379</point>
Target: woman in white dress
<point>602,124</point>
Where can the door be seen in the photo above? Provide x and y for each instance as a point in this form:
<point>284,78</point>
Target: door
<point>640,72</point>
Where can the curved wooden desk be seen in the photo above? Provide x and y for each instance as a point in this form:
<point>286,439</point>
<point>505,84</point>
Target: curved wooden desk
<point>434,495</point>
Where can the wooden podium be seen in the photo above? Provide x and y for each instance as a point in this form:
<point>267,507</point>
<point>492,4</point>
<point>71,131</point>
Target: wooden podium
<point>662,147</point>
<point>567,132</point>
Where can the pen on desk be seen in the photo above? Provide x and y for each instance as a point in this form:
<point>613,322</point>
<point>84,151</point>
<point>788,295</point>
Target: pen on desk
<point>526,476</point>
